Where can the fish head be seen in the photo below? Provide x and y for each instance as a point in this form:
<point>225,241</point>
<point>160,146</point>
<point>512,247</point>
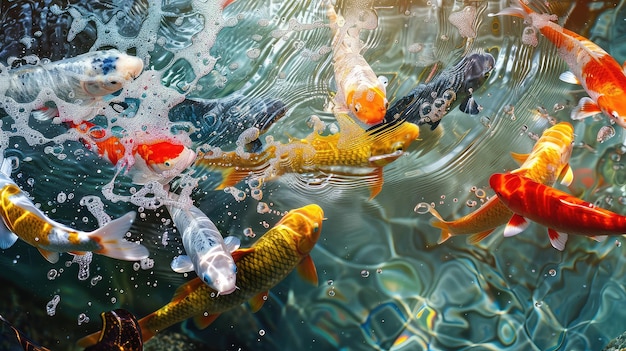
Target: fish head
<point>165,158</point>
<point>306,225</point>
<point>505,184</point>
<point>477,68</point>
<point>390,141</point>
<point>219,271</point>
<point>368,103</point>
<point>614,107</point>
<point>110,70</point>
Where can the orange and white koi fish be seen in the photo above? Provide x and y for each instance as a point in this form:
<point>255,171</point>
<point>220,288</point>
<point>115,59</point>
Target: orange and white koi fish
<point>159,159</point>
<point>358,88</point>
<point>21,219</point>
<point>348,155</point>
<point>284,247</point>
<point>600,75</point>
<point>547,161</point>
<point>561,212</point>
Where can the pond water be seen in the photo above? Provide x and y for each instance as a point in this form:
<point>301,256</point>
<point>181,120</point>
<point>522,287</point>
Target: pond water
<point>384,281</point>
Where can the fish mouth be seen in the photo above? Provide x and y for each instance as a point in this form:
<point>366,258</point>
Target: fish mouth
<point>227,291</point>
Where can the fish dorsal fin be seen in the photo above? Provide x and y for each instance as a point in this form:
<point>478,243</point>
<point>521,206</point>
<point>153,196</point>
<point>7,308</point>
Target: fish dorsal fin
<point>557,239</point>
<point>186,289</point>
<point>566,176</point>
<point>232,243</point>
<point>307,271</point>
<point>351,135</point>
<point>238,254</point>
<point>516,225</point>
<point>50,256</point>
<point>257,301</point>
<point>569,77</point>
<point>202,321</point>
<point>182,264</point>
<point>519,158</point>
<point>7,238</point>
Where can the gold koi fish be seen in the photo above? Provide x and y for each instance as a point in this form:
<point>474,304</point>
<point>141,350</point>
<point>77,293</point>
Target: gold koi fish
<point>547,161</point>
<point>284,247</point>
<point>21,219</point>
<point>352,152</point>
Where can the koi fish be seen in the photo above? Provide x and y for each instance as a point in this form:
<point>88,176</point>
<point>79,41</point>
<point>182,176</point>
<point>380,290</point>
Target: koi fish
<point>284,247</point>
<point>26,343</point>
<point>429,103</point>
<point>358,87</point>
<point>120,332</point>
<point>561,212</point>
<point>21,219</point>
<point>80,79</point>
<point>217,122</point>
<point>207,252</point>
<point>600,75</point>
<point>160,160</point>
<point>352,152</point>
<point>547,161</point>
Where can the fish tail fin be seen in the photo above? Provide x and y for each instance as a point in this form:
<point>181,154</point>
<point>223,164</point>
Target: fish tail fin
<point>518,9</point>
<point>111,239</point>
<point>441,224</point>
<point>476,238</point>
<point>146,332</point>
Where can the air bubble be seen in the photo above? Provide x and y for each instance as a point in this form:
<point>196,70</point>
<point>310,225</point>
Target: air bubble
<point>365,273</point>
<point>52,305</point>
<point>422,208</point>
<point>52,274</point>
<point>82,318</point>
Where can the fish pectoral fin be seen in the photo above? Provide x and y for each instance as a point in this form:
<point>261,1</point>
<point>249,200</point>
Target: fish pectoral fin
<point>238,254</point>
<point>376,184</point>
<point>476,238</point>
<point>586,107</point>
<point>50,256</point>
<point>202,321</point>
<point>257,301</point>
<point>557,239</point>
<point>307,271</point>
<point>7,238</point>
<point>182,264</point>
<point>569,77</point>
<point>519,158</point>
<point>599,238</point>
<point>567,175</point>
<point>232,243</point>
<point>434,125</point>
<point>516,225</point>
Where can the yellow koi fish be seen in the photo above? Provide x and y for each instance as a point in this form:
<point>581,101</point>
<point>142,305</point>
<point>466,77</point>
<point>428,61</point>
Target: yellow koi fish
<point>547,161</point>
<point>284,247</point>
<point>21,219</point>
<point>352,152</point>
<point>358,88</point>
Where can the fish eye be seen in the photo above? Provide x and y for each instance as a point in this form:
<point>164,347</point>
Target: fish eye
<point>398,146</point>
<point>167,164</point>
<point>316,227</point>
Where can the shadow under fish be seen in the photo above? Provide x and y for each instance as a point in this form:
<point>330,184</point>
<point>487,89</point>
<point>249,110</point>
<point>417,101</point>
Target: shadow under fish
<point>120,332</point>
<point>428,103</point>
<point>219,122</point>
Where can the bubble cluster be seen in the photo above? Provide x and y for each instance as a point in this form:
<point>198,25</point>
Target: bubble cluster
<point>51,307</point>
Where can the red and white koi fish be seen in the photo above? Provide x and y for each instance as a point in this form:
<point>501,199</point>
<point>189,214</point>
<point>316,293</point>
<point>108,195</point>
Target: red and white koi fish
<point>546,162</point>
<point>358,88</point>
<point>600,75</point>
<point>158,159</point>
<point>21,219</point>
<point>561,212</point>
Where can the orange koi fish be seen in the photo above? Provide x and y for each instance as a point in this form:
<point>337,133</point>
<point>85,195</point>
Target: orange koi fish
<point>159,160</point>
<point>600,75</point>
<point>352,152</point>
<point>22,219</point>
<point>284,247</point>
<point>561,212</point>
<point>358,88</point>
<point>546,162</point>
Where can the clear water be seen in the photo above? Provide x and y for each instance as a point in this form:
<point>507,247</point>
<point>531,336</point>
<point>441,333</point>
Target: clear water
<point>384,282</point>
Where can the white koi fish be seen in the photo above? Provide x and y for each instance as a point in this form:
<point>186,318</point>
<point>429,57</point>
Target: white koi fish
<point>21,219</point>
<point>81,79</point>
<point>358,88</point>
<point>207,252</point>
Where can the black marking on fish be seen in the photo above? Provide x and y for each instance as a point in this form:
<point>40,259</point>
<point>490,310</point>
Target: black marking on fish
<point>428,103</point>
<point>120,332</point>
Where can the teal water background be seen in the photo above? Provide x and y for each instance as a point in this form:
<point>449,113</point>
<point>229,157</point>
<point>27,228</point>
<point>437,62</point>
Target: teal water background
<point>384,282</point>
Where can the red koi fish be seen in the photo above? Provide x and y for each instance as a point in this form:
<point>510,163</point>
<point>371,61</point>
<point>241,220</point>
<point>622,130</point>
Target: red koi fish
<point>561,212</point>
<point>600,75</point>
<point>547,161</point>
<point>159,160</point>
